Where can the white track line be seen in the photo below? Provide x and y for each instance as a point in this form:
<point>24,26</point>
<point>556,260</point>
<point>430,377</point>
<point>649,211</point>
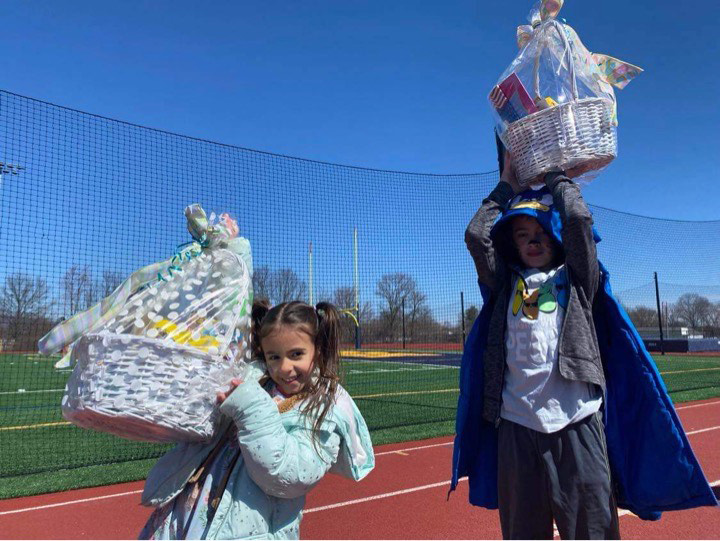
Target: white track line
<point>400,451</point>
<point>380,496</point>
<point>60,504</point>
<point>332,506</point>
<point>698,405</point>
<point>701,430</point>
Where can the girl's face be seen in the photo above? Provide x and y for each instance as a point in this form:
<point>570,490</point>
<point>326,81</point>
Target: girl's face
<point>290,358</point>
<point>533,244</point>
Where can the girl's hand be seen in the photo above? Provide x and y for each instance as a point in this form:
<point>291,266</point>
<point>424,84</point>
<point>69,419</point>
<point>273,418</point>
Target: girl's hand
<point>508,174</point>
<point>222,396</point>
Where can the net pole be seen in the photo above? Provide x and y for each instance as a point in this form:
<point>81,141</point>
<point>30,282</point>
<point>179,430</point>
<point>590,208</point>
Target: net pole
<point>462,317</point>
<point>357,288</point>
<point>657,300</point>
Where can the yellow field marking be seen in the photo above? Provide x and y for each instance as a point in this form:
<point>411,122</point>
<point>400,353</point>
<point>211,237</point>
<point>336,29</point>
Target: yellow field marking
<point>404,393</point>
<point>41,425</point>
<point>379,354</point>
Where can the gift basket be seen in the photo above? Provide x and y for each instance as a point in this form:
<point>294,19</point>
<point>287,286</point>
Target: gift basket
<point>149,360</point>
<point>554,106</point>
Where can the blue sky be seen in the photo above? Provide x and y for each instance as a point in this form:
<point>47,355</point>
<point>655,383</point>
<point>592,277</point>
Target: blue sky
<point>397,85</point>
<point>393,85</point>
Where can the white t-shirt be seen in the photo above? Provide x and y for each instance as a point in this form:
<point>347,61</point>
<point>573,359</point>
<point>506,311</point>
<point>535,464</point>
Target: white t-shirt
<point>535,394</point>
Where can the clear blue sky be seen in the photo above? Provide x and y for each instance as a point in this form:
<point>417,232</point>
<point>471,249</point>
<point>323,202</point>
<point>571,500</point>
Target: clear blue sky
<point>397,85</point>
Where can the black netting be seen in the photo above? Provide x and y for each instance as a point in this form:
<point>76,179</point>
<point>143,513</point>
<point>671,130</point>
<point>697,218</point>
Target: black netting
<point>86,200</point>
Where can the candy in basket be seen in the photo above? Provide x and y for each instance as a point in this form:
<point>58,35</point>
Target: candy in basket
<point>150,358</point>
<point>554,105</point>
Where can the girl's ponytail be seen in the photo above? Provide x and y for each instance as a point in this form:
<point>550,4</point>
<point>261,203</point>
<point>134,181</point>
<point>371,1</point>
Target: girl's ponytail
<point>327,341</point>
<point>259,311</point>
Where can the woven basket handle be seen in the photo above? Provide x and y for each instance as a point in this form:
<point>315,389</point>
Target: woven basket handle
<point>571,64</point>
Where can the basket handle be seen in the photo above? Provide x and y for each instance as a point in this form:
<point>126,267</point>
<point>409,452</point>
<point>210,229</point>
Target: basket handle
<point>571,64</point>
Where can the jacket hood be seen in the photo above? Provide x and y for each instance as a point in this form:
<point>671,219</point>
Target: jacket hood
<point>536,204</point>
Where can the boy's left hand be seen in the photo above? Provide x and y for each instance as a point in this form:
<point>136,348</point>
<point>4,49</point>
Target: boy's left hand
<point>222,396</point>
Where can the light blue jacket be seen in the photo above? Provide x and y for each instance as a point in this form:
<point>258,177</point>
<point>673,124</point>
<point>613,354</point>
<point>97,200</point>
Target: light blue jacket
<point>279,464</point>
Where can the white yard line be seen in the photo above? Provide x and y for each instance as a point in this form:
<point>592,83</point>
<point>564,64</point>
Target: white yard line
<point>23,391</point>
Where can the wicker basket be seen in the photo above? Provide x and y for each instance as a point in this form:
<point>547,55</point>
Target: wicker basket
<point>152,371</point>
<point>145,389</point>
<point>579,135</point>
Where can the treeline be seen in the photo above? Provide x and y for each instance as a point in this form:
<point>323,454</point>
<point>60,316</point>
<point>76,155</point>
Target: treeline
<point>693,311</point>
<point>28,309</point>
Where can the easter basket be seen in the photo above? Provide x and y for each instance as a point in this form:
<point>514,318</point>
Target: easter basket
<point>569,122</point>
<point>149,367</point>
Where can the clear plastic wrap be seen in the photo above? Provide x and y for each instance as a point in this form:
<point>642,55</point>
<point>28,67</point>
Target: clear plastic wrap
<point>554,105</point>
<point>150,367</point>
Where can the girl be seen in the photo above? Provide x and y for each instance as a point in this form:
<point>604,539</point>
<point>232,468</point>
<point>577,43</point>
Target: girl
<point>282,433</point>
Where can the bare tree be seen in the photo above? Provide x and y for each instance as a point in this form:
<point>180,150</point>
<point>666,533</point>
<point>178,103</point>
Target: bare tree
<point>286,286</point>
<point>470,315</point>
<point>394,288</point>
<point>344,299</point>
<point>78,289</point>
<point>24,301</point>
<point>262,285</point>
<point>417,311</point>
<point>692,309</point>
<point>643,317</point>
<point>110,281</point>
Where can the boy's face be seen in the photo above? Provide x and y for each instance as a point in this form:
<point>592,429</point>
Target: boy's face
<point>535,247</point>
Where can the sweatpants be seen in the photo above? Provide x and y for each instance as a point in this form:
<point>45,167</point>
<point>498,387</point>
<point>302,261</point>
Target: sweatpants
<point>563,476</point>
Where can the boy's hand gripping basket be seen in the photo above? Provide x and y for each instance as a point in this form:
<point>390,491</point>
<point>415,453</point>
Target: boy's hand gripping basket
<point>569,123</point>
<point>149,367</point>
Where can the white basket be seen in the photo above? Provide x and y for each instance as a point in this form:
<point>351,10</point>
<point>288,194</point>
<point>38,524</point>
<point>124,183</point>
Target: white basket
<point>579,134</point>
<point>145,389</point>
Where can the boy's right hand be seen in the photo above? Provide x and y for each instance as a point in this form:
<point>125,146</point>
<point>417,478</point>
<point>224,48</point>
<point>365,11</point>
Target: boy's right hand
<point>508,175</point>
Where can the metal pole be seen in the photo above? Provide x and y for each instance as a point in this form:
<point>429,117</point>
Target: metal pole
<point>403,320</point>
<point>357,289</point>
<point>657,299</point>
<point>462,317</point>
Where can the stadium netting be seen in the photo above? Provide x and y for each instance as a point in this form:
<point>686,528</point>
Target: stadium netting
<point>86,200</point>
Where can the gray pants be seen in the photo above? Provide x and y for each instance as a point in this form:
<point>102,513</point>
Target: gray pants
<point>563,476</point>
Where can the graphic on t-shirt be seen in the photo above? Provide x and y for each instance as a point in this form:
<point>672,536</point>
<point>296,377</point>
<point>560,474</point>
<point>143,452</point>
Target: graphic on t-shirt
<point>539,300</point>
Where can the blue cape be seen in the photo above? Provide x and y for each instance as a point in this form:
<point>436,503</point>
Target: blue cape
<point>653,466</point>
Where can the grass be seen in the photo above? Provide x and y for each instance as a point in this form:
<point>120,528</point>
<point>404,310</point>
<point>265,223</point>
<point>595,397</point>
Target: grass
<point>400,402</point>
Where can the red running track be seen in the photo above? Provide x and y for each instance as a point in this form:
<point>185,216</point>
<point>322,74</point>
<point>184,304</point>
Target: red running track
<point>404,498</point>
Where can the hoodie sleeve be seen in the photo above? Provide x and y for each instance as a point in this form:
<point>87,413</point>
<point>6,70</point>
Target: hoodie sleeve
<point>477,234</point>
<point>578,240</point>
<point>284,463</point>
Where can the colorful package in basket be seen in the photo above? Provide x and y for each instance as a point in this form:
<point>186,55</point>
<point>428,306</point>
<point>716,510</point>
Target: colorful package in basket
<point>555,105</point>
<point>149,359</point>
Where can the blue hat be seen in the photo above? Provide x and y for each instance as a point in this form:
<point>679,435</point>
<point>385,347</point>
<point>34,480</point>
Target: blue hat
<point>536,204</point>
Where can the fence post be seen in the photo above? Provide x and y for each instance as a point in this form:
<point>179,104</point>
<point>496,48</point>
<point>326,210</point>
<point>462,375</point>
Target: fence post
<point>657,300</point>
<point>462,318</point>
<point>403,320</point>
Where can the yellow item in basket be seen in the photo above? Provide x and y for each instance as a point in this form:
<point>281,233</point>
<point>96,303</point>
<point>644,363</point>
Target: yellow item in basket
<point>204,342</point>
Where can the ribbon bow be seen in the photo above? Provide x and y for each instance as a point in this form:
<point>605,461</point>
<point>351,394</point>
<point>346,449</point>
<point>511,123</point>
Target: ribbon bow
<point>609,69</point>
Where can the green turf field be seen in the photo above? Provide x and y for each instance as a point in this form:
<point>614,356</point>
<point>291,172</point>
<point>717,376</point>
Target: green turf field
<point>41,452</point>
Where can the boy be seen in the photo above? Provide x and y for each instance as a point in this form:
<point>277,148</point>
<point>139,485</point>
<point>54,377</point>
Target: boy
<point>540,431</point>
<point>544,380</point>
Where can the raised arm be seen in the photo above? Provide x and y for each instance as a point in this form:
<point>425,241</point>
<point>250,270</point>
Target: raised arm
<point>477,234</point>
<point>283,463</point>
<point>578,240</point>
